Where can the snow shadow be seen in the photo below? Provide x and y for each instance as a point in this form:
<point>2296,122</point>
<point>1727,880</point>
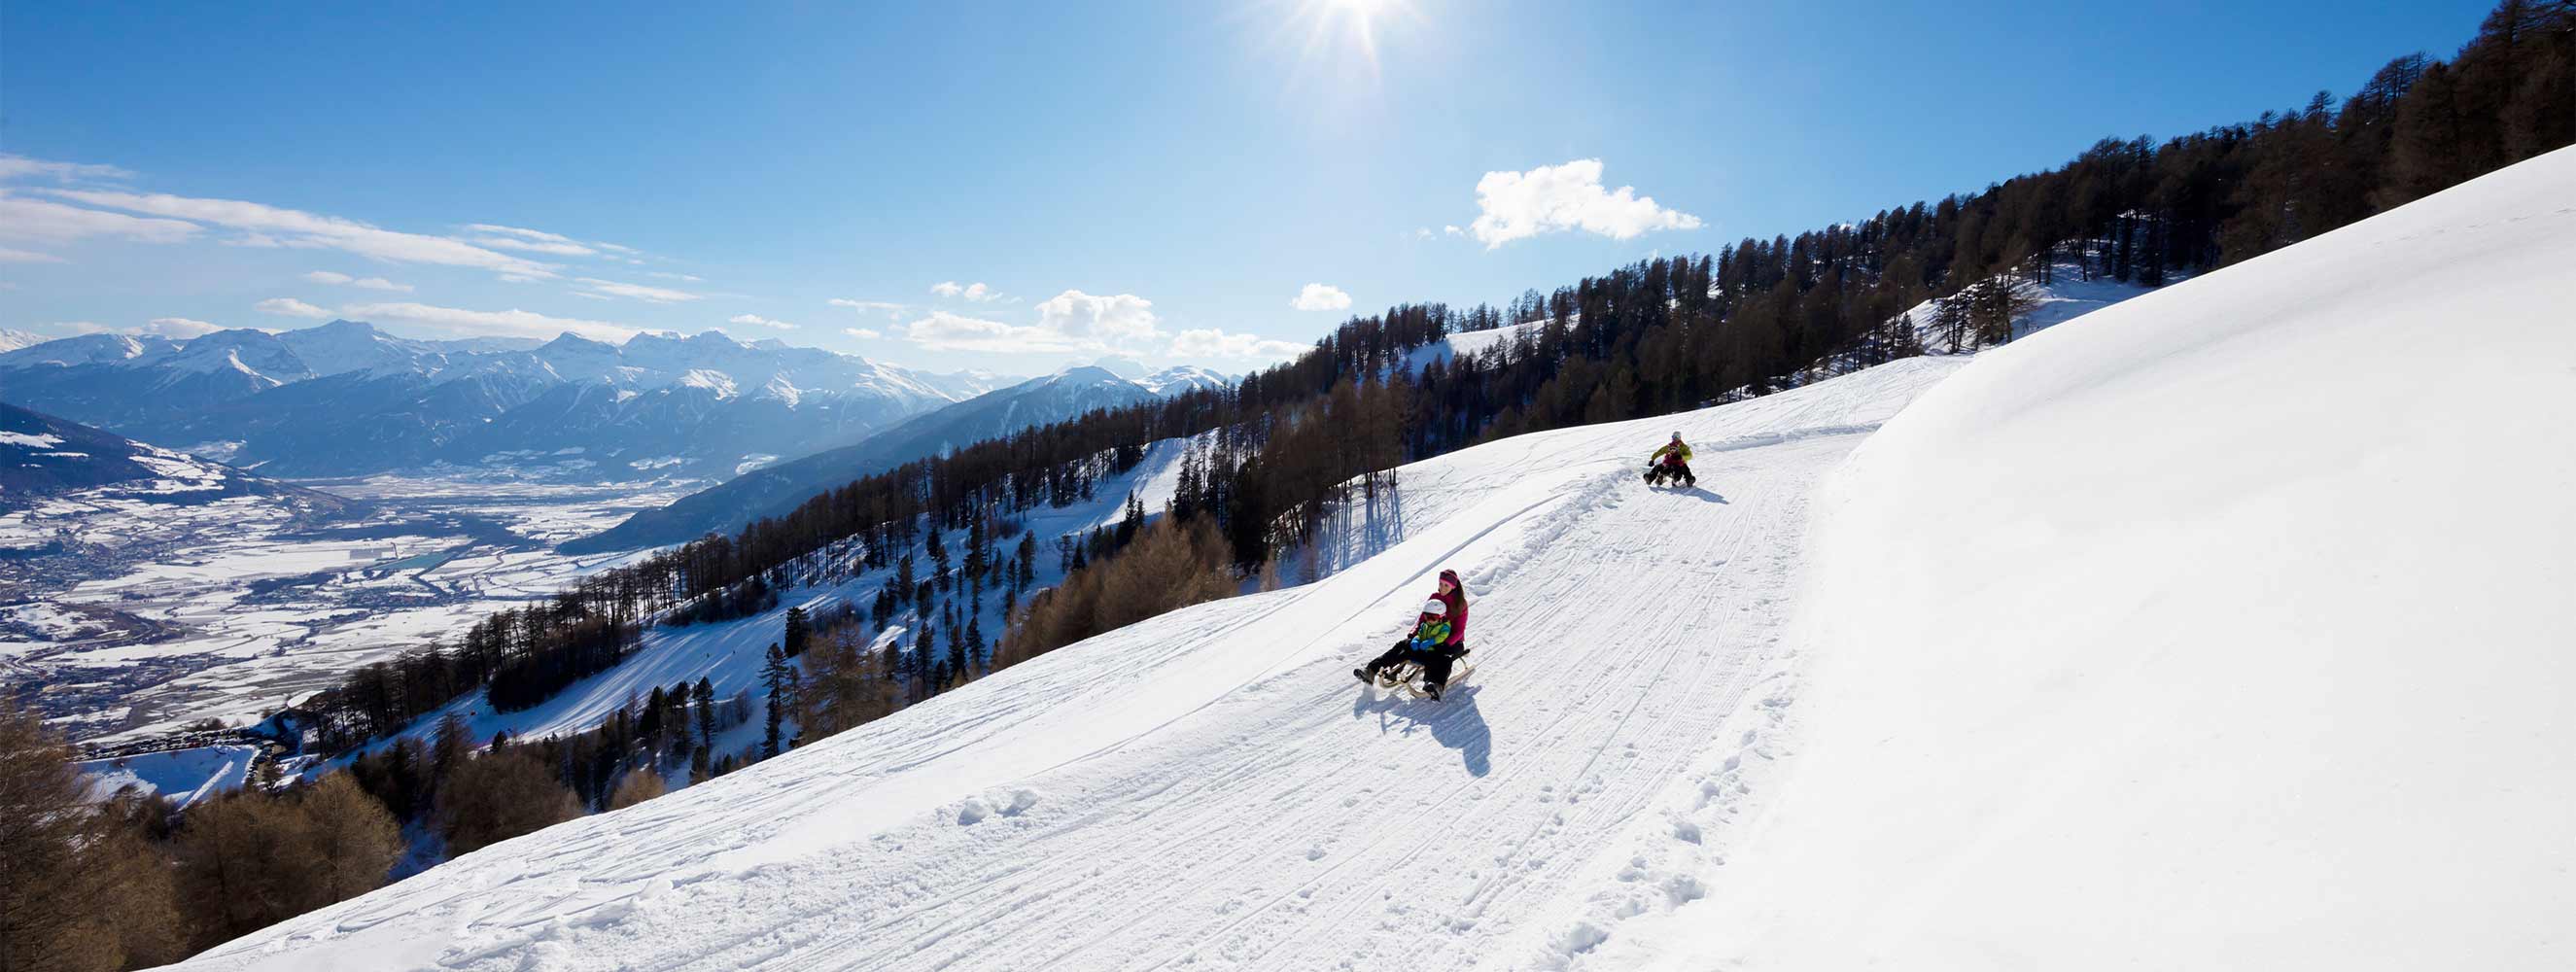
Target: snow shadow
<point>1454,721</point>
<point>1366,526</point>
<point>1706,495</point>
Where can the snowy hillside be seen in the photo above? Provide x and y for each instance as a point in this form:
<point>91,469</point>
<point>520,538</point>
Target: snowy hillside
<point>2219,649</point>
<point>729,506</point>
<point>184,775</point>
<point>2169,636</point>
<point>1029,819</point>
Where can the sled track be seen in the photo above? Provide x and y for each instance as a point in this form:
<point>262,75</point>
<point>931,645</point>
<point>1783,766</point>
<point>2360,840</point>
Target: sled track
<point>1302,821</point>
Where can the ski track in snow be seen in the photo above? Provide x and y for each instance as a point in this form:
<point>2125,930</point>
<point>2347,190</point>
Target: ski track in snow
<point>1212,789</point>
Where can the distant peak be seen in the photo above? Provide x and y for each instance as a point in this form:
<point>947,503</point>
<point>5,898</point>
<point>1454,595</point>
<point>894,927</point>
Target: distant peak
<point>1120,365</point>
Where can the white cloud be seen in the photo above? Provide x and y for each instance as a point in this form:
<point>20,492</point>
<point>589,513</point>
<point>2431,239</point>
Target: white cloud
<point>26,256</point>
<point>533,246</point>
<point>1107,320</point>
<point>273,226</point>
<point>757,319</point>
<point>540,236</point>
<point>691,278</point>
<point>180,327</point>
<point>1215,343</point>
<point>174,328</point>
<point>370,283</point>
<point>628,250</point>
<point>1321,297</point>
<point>511,322</point>
<point>38,220</point>
<point>943,331</point>
<point>658,295</point>
<point>978,291</point>
<point>1557,198</point>
<point>517,278</point>
<point>1451,231</point>
<point>1068,322</point>
<point>863,333</point>
<point>290,307</point>
<point>893,311</point>
<point>22,167</point>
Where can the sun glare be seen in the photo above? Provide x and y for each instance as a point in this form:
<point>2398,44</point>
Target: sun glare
<point>1341,28</point>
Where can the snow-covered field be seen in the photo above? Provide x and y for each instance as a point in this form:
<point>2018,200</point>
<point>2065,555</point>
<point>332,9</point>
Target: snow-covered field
<point>2225,628</point>
<point>172,614</point>
<point>184,775</point>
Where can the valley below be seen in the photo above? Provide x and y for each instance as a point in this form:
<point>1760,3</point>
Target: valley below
<point>122,621</point>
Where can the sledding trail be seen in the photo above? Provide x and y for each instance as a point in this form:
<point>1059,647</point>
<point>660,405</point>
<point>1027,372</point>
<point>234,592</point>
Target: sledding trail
<point>1212,789</point>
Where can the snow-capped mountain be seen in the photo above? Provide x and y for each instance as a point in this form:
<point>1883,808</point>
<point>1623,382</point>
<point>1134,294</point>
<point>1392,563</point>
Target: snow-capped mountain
<point>13,340</point>
<point>346,398</point>
<point>1183,378</point>
<point>778,489</point>
<point>2166,631</point>
<point>42,457</point>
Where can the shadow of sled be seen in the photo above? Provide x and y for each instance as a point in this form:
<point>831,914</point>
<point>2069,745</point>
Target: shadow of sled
<point>1454,721</point>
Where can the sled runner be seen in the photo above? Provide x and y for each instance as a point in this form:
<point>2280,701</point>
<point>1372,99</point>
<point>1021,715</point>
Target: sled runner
<point>1406,678</point>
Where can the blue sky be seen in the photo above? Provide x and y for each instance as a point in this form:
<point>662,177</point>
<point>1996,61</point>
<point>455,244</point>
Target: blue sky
<point>1163,179</point>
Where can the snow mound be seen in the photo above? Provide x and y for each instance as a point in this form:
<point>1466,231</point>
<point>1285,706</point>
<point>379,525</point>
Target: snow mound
<point>184,775</point>
<point>2229,627</point>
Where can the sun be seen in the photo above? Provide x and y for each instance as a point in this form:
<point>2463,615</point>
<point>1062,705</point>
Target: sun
<point>1333,22</point>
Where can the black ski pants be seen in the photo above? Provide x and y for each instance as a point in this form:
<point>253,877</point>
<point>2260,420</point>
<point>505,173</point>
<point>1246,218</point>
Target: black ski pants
<point>1435,662</point>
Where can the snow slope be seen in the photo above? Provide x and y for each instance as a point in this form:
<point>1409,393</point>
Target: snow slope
<point>184,775</point>
<point>1210,787</point>
<point>2229,628</point>
<point>2224,628</point>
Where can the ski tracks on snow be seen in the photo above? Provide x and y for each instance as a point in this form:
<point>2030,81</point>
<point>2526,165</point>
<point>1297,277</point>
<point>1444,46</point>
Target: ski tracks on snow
<point>1586,775</point>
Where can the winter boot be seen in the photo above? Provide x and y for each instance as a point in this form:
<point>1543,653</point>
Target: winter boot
<point>1363,675</point>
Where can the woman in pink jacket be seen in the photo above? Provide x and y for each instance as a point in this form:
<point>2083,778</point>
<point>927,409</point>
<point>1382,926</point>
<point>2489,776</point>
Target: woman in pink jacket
<point>1439,638</point>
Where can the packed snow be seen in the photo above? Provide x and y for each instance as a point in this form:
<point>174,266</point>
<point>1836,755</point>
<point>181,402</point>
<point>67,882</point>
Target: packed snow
<point>2226,628</point>
<point>1031,819</point>
<point>2221,628</point>
<point>184,775</point>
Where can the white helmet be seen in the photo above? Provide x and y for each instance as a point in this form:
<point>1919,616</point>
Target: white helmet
<point>1436,608</point>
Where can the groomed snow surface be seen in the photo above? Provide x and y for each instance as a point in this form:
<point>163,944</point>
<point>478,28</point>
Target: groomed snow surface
<point>2222,628</point>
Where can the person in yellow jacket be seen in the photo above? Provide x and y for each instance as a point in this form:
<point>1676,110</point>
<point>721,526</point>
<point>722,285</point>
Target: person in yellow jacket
<point>1670,463</point>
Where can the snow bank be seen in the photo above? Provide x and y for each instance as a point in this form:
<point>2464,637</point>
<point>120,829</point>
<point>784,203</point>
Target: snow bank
<point>2227,629</point>
<point>184,775</point>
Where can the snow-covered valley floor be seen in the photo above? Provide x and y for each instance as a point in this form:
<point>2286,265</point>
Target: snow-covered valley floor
<point>166,615</point>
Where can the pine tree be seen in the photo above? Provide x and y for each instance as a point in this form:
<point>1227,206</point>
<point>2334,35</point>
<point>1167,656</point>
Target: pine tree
<point>794,642</point>
<point>776,676</point>
<point>704,694</point>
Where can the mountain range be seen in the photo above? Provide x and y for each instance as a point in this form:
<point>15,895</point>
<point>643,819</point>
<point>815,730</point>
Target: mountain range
<point>345,398</point>
<point>43,456</point>
<point>778,489</point>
